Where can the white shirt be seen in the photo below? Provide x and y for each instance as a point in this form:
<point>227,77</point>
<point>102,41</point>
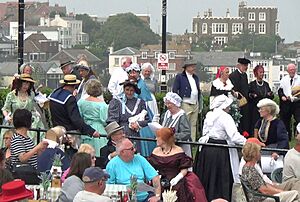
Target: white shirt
<point>194,91</point>
<point>118,76</point>
<point>291,165</point>
<point>86,196</point>
<point>285,84</point>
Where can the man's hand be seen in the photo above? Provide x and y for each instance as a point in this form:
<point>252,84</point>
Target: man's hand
<point>283,98</point>
<point>96,134</point>
<point>154,199</point>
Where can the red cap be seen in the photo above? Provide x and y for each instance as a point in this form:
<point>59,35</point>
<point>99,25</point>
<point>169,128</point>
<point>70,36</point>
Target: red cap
<point>256,141</point>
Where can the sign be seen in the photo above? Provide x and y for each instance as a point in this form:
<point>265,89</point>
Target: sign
<point>162,61</point>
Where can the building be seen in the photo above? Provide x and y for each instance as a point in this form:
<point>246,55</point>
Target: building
<point>74,28</point>
<point>260,20</point>
<point>7,46</point>
<point>38,48</point>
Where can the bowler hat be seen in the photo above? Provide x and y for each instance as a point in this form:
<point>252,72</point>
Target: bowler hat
<point>112,128</point>
<point>15,190</point>
<point>69,79</point>
<point>63,64</point>
<point>244,61</point>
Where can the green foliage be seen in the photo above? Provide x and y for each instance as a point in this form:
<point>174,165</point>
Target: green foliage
<point>89,25</point>
<point>201,73</point>
<point>204,44</point>
<point>3,93</point>
<point>160,102</point>
<point>46,90</point>
<point>57,160</point>
<point>125,30</point>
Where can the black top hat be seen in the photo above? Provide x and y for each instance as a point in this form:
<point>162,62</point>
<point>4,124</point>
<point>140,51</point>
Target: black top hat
<point>132,84</point>
<point>244,61</point>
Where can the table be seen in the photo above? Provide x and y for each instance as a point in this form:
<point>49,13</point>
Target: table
<point>113,189</point>
<point>53,192</point>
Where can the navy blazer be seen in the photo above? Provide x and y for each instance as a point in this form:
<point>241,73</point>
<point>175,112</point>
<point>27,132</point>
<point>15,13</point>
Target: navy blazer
<point>182,85</point>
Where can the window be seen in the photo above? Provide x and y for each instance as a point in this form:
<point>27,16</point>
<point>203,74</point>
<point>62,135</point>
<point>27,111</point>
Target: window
<point>219,28</point>
<point>221,40</point>
<point>144,55</point>
<point>277,28</point>
<point>204,28</point>
<point>262,28</point>
<point>171,55</point>
<point>262,16</point>
<point>116,62</point>
<point>172,66</point>
<point>251,27</point>
<point>251,16</point>
<point>281,68</point>
<point>237,28</point>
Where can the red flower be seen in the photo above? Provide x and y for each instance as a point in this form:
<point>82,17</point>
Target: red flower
<point>246,134</point>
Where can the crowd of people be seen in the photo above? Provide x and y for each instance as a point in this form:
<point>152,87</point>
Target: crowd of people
<point>78,105</point>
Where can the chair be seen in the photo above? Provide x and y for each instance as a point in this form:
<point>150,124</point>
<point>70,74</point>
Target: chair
<point>276,175</point>
<point>255,193</point>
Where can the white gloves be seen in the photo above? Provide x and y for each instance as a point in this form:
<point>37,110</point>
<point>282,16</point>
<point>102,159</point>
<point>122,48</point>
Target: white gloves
<point>176,179</point>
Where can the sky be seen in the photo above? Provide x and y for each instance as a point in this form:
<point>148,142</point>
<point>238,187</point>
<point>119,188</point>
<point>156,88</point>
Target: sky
<point>181,12</point>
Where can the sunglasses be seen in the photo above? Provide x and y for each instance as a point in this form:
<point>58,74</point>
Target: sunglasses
<point>130,149</point>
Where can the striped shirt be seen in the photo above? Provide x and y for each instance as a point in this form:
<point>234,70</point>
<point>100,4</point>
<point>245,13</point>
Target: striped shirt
<point>21,144</point>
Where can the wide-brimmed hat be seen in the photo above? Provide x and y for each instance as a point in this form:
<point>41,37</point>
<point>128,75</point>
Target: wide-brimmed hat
<point>133,84</point>
<point>14,190</point>
<point>112,128</point>
<point>55,133</point>
<point>296,91</point>
<point>63,64</point>
<point>244,61</point>
<point>189,63</point>
<point>174,98</point>
<point>221,101</point>
<point>69,79</point>
<point>267,102</point>
<point>93,174</point>
<point>26,77</point>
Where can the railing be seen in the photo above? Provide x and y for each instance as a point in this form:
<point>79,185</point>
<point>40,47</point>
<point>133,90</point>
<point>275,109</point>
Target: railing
<point>39,131</point>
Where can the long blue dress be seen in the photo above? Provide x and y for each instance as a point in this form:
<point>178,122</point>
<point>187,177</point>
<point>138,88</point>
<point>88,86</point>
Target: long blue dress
<point>95,115</point>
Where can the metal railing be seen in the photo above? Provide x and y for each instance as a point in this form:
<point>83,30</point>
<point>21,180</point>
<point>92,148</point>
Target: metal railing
<point>40,130</point>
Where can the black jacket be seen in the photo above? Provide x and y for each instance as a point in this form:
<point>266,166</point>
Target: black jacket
<point>104,152</point>
<point>65,112</point>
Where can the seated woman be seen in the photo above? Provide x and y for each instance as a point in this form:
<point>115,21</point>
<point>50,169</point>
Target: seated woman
<point>172,164</point>
<point>45,160</point>
<point>269,129</point>
<point>251,154</point>
<point>6,149</point>
<point>217,167</point>
<point>73,184</point>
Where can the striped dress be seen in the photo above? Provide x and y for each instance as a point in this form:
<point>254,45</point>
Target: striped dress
<point>21,144</point>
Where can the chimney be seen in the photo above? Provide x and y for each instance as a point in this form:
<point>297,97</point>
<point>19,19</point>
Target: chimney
<point>210,12</point>
<point>227,13</point>
<point>111,49</point>
<point>205,14</point>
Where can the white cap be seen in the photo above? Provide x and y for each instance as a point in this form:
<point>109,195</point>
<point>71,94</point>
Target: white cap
<point>174,98</point>
<point>221,102</point>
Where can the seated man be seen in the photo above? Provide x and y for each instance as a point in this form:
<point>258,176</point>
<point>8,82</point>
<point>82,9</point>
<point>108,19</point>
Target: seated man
<point>127,164</point>
<point>94,185</point>
<point>114,134</point>
<point>291,163</point>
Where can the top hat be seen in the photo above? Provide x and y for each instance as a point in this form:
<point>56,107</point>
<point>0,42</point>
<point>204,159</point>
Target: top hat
<point>244,61</point>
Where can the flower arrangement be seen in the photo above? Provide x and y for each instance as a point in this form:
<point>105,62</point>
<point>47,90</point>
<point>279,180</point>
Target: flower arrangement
<point>235,112</point>
<point>57,160</point>
<point>133,188</point>
<point>45,183</point>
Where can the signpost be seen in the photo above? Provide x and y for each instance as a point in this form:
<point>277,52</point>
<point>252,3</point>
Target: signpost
<point>163,61</point>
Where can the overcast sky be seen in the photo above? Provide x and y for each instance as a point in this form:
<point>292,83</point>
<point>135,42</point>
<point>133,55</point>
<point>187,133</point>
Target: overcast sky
<point>181,12</point>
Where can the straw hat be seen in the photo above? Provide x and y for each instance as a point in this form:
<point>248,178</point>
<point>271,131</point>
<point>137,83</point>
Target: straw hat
<point>112,128</point>
<point>69,79</point>
<point>26,77</point>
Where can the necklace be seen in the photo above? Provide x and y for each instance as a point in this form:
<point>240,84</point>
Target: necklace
<point>166,153</point>
<point>262,83</point>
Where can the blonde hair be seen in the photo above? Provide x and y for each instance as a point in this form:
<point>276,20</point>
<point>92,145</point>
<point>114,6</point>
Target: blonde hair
<point>86,148</point>
<point>250,151</point>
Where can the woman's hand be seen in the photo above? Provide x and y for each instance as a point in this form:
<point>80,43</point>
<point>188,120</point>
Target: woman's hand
<point>42,146</point>
<point>134,126</point>
<point>275,156</point>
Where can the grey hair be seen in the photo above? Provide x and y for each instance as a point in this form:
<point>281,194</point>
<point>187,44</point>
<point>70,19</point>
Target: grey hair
<point>120,145</point>
<point>22,67</point>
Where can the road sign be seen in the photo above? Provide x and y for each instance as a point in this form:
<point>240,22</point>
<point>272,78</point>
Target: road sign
<point>163,61</point>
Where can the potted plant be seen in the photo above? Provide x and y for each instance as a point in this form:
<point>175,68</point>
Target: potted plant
<point>56,165</point>
<point>133,188</point>
<point>45,184</point>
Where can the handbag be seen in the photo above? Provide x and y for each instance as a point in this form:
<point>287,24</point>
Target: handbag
<point>242,101</point>
<point>25,172</point>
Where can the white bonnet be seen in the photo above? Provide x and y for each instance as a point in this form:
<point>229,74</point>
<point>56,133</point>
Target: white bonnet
<point>134,66</point>
<point>267,102</point>
<point>174,98</point>
<point>221,101</point>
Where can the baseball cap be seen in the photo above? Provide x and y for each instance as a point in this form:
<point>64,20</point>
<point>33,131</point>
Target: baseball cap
<point>93,174</point>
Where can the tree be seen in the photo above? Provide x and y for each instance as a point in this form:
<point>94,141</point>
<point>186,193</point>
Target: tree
<point>123,30</point>
<point>89,26</point>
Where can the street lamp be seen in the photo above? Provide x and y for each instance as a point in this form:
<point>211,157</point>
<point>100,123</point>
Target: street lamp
<point>163,86</point>
<point>21,34</point>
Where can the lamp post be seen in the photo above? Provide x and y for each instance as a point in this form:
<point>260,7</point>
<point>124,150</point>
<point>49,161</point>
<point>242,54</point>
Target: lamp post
<point>21,34</point>
<point>163,87</point>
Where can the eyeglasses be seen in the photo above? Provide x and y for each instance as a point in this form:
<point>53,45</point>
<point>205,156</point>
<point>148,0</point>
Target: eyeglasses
<point>130,149</point>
